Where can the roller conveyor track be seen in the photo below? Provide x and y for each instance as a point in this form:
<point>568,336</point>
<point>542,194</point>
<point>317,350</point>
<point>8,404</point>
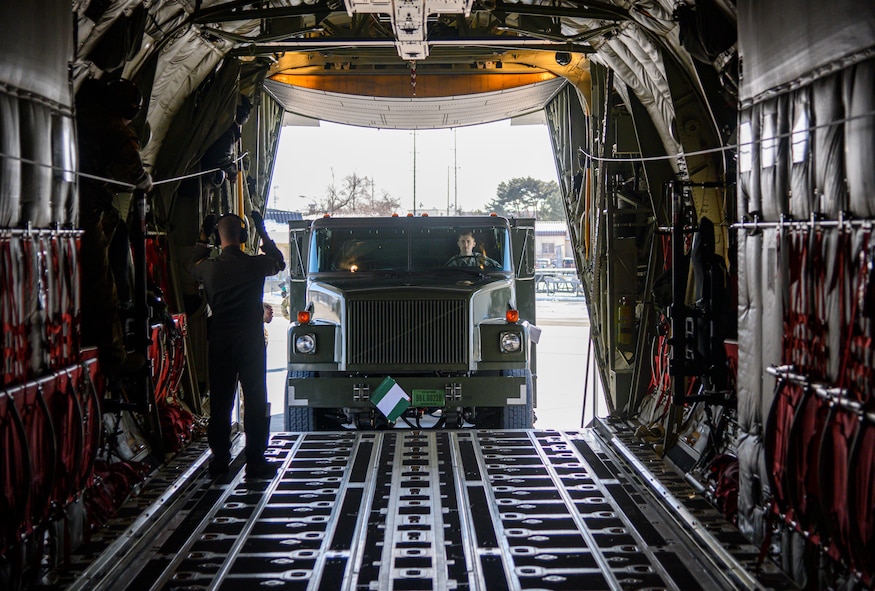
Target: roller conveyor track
<point>414,510</point>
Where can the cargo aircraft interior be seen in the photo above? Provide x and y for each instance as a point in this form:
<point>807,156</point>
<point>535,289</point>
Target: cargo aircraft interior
<point>716,163</point>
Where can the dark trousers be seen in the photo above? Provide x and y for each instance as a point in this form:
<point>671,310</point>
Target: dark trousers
<point>233,357</point>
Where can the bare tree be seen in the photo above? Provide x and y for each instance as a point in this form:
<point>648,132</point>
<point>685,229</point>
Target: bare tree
<point>356,196</point>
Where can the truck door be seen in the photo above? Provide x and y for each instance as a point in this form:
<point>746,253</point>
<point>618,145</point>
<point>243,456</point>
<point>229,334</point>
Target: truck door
<point>299,245</point>
<point>522,234</point>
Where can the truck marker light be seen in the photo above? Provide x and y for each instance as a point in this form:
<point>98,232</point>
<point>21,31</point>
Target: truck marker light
<point>512,316</point>
<point>305,344</point>
<point>509,342</point>
<point>304,317</point>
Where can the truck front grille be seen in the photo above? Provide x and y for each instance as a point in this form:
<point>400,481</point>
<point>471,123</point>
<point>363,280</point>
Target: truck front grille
<point>407,332</point>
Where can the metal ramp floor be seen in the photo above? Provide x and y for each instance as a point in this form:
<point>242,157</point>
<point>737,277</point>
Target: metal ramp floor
<point>424,510</point>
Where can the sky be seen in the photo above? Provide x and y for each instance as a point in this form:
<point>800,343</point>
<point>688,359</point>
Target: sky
<point>487,156</point>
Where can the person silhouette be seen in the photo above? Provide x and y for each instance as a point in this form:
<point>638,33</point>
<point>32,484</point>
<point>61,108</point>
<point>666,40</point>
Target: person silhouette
<point>468,257</point>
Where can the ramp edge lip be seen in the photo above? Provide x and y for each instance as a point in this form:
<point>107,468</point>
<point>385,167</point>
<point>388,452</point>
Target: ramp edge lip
<point>732,569</point>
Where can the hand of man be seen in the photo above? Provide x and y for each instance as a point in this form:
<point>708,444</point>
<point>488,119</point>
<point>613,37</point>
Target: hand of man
<point>208,226</point>
<point>270,248</point>
<point>259,225</point>
<point>144,183</point>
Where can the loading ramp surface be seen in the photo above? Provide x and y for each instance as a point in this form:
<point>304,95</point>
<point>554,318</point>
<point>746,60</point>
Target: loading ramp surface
<point>427,510</point>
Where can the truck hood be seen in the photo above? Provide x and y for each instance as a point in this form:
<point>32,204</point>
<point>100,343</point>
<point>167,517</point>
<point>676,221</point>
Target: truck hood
<point>449,281</point>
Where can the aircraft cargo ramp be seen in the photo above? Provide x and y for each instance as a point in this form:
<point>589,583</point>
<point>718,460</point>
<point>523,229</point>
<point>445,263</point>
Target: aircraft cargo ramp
<point>425,510</point>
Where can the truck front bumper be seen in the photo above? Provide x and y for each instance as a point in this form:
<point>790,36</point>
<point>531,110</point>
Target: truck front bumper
<point>351,392</point>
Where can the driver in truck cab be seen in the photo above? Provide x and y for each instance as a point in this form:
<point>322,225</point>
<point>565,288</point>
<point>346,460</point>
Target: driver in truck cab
<point>467,257</point>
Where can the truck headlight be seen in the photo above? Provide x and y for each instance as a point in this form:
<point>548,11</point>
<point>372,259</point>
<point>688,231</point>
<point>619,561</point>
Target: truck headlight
<point>509,342</point>
<point>305,344</point>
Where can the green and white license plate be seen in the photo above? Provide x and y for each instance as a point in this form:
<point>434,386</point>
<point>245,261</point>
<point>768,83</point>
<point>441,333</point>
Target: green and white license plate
<point>428,398</point>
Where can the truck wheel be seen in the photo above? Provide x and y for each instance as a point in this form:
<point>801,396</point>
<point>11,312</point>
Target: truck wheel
<point>519,416</point>
<point>300,418</point>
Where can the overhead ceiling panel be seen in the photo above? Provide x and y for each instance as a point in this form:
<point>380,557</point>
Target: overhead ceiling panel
<point>414,113</point>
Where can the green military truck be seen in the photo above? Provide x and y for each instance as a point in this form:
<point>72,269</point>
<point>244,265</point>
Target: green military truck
<point>377,298</point>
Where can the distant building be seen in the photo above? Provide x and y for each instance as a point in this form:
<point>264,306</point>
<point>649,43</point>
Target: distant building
<point>280,216</point>
<point>553,245</point>
<point>276,222</point>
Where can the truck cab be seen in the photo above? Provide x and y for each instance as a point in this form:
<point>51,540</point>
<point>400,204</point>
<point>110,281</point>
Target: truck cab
<point>377,298</point>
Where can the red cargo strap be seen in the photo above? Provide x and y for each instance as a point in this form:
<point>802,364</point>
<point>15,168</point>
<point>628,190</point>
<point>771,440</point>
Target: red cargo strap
<point>786,400</point>
<point>14,471</point>
<point>40,430</point>
<point>90,395</point>
<point>861,501</point>
<point>69,434</point>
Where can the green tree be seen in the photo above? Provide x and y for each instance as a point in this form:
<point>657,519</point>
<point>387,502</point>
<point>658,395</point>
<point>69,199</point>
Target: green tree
<point>528,197</point>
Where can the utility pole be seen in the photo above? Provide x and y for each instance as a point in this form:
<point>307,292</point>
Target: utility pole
<point>456,172</point>
<point>414,172</point>
<point>448,191</point>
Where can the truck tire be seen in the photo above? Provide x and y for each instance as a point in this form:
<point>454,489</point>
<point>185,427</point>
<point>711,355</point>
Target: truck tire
<point>519,416</point>
<point>300,418</point>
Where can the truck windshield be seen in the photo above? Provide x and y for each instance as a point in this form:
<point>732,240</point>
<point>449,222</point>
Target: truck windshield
<point>414,249</point>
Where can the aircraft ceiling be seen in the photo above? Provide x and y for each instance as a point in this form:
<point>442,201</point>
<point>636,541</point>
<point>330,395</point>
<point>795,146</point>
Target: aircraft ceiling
<point>413,113</point>
<point>484,60</point>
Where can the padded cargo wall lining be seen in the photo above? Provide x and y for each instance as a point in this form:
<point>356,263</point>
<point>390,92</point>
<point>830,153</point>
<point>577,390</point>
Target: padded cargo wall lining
<point>774,52</point>
<point>801,191</point>
<point>819,167</point>
<point>859,99</point>
<point>828,147</point>
<point>749,387</point>
<point>37,165</point>
<point>36,50</point>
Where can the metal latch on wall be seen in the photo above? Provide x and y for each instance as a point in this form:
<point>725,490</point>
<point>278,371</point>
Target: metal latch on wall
<point>361,392</point>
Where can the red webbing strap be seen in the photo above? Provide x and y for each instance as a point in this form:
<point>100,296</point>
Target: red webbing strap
<point>14,471</point>
<point>861,502</point>
<point>178,353</point>
<point>856,373</point>
<point>39,309</point>
<point>158,360</point>
<point>71,324</point>
<point>70,435</point>
<point>841,427</point>
<point>818,314</point>
<point>7,312</point>
<point>834,478</point>
<point>30,295</point>
<point>17,266</point>
<point>786,398</point>
<point>56,304</point>
<point>157,257</point>
<point>177,425</point>
<point>797,334</point>
<point>90,394</point>
<point>41,441</point>
<point>803,457</point>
